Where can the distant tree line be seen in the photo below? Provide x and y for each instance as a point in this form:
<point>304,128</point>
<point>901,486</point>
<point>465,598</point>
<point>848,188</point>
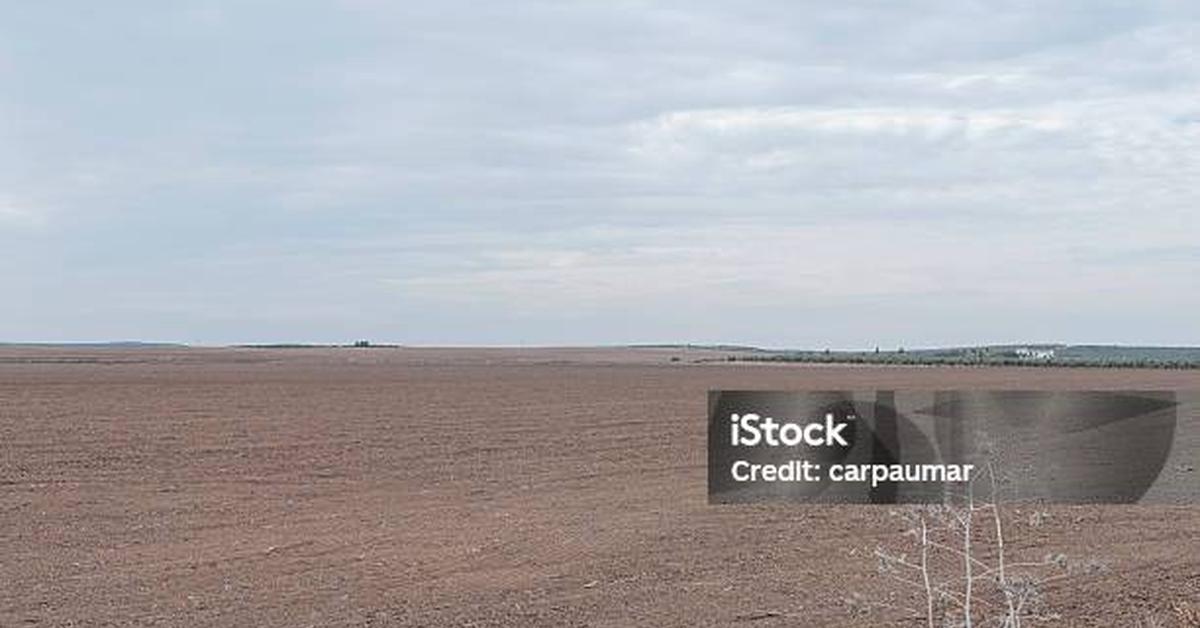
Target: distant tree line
<point>965,359</point>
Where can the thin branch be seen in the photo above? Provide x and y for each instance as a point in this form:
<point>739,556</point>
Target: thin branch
<point>925,572</point>
<point>896,560</point>
<point>967,556</point>
<point>959,553</point>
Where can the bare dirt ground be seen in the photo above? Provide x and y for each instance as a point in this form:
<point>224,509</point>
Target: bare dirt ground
<point>421,487</point>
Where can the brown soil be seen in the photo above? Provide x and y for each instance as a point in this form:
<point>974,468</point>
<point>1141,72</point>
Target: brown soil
<point>469,487</point>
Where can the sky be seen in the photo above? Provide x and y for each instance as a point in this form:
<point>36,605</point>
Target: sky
<point>783,174</point>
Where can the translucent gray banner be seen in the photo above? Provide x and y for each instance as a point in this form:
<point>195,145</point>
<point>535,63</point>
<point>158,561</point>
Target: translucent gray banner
<point>1080,446</point>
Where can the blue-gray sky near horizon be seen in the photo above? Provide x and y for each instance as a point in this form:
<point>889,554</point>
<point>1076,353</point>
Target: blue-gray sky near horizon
<point>784,174</point>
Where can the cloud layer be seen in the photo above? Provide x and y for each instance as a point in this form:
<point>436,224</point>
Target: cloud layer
<point>791,174</point>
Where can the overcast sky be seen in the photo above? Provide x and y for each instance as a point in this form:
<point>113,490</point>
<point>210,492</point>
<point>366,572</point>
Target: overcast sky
<point>787,174</point>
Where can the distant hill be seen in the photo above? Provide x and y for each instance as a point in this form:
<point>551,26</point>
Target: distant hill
<point>740,348</point>
<point>120,344</point>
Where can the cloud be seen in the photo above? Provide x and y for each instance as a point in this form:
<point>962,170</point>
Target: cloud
<point>896,121</point>
<point>22,216</point>
<point>604,172</point>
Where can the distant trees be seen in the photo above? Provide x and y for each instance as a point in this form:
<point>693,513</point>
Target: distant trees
<point>964,357</point>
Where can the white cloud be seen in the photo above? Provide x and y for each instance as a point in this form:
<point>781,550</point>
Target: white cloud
<point>553,161</point>
<point>18,215</point>
<point>682,127</point>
